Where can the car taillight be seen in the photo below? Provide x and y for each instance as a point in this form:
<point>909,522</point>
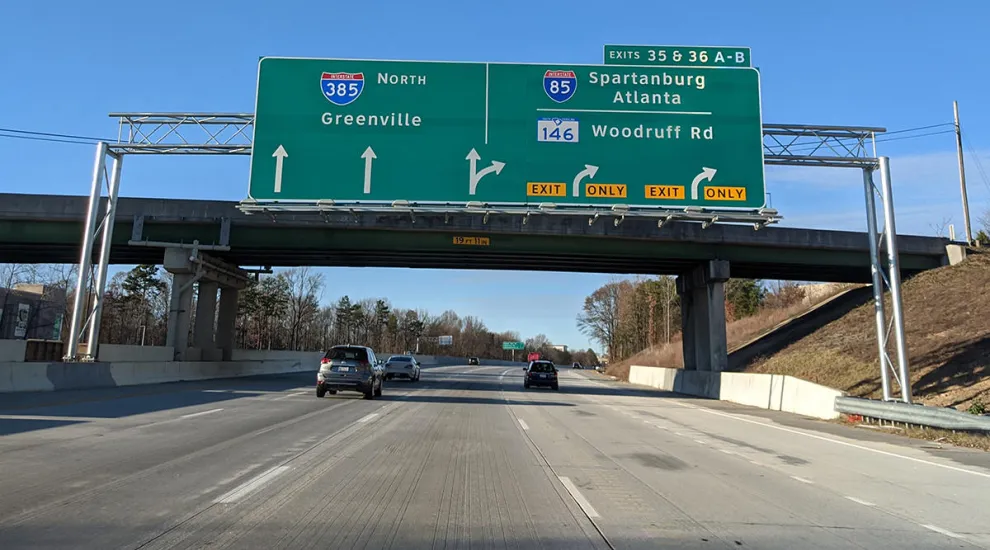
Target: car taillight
<point>324,361</point>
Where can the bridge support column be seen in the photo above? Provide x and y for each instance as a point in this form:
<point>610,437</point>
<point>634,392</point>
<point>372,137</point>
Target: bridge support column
<point>226,321</point>
<point>702,293</point>
<point>206,313</point>
<point>191,266</point>
<point>179,308</point>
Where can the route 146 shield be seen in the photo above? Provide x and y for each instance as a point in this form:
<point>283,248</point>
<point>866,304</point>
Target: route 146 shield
<point>559,85</point>
<point>342,88</point>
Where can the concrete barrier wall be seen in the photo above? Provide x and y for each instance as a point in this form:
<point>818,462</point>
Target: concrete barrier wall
<point>26,377</point>
<point>12,350</point>
<point>112,353</point>
<point>767,391</point>
<point>277,355</point>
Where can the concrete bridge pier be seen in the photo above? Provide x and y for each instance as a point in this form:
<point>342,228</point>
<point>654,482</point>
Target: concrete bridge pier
<point>213,333</point>
<point>702,292</point>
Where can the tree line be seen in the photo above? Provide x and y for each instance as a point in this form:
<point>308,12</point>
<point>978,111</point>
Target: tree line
<point>285,311</point>
<point>628,316</point>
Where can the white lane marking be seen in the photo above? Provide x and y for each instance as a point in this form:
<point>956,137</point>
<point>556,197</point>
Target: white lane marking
<point>678,433</point>
<point>589,510</point>
<point>941,531</point>
<point>802,480</point>
<point>367,418</point>
<point>663,427</point>
<point>756,463</point>
<point>246,488</point>
<point>700,442</point>
<point>523,424</point>
<point>860,501</point>
<point>193,415</point>
<point>296,394</point>
<point>847,444</point>
<point>727,451</point>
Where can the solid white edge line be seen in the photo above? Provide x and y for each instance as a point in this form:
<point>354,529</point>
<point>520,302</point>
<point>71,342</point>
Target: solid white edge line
<point>523,424</point>
<point>802,480</point>
<point>367,418</point>
<point>251,485</point>
<point>941,531</point>
<point>193,415</point>
<point>589,510</point>
<point>860,501</point>
<point>845,443</point>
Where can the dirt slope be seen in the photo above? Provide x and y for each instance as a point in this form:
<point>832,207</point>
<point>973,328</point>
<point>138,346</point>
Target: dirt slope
<point>947,322</point>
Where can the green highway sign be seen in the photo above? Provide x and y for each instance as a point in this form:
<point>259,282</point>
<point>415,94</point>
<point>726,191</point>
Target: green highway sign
<point>513,345</point>
<point>677,56</point>
<point>353,131</point>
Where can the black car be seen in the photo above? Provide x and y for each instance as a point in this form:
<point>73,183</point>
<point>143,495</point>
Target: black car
<point>350,368</point>
<point>474,361</point>
<point>541,373</point>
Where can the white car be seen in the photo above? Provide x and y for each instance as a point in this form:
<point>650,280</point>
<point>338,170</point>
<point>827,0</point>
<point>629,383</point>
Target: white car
<point>402,366</point>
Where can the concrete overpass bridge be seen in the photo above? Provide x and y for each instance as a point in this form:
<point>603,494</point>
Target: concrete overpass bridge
<point>47,229</point>
<point>206,242</point>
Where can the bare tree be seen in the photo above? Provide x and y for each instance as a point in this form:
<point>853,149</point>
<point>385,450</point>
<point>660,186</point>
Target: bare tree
<point>599,319</point>
<point>305,292</point>
<point>941,229</point>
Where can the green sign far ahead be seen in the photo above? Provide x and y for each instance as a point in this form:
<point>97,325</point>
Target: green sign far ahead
<point>677,56</point>
<point>506,134</point>
<point>513,345</point>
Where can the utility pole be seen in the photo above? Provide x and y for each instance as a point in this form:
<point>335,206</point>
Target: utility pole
<point>962,174</point>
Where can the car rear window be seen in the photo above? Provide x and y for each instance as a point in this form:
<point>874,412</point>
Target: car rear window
<point>348,354</point>
<point>400,359</point>
<point>542,367</point>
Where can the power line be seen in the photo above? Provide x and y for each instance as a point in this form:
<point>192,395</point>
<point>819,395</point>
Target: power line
<point>48,139</point>
<point>50,134</point>
<point>802,147</point>
<point>979,165</point>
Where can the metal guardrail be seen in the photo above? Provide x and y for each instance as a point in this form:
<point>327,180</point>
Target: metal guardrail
<point>908,413</point>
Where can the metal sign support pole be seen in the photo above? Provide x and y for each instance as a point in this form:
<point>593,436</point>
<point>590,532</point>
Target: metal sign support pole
<point>876,270</point>
<point>86,254</point>
<point>96,314</point>
<point>894,279</point>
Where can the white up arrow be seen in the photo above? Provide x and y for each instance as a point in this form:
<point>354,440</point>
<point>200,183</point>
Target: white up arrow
<point>473,157</point>
<point>706,174</point>
<point>279,155</point>
<point>368,156</point>
<point>588,172</point>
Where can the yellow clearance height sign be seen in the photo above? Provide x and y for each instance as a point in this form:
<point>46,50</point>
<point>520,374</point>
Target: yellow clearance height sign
<point>675,192</point>
<point>473,241</point>
<point>540,189</point>
<point>725,193</point>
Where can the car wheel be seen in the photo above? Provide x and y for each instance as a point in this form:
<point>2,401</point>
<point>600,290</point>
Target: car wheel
<point>378,392</point>
<point>332,392</point>
<point>556,387</point>
<point>526,385</point>
<point>320,391</point>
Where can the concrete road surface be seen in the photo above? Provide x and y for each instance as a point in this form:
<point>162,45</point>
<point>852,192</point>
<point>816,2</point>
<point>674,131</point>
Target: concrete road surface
<point>465,459</point>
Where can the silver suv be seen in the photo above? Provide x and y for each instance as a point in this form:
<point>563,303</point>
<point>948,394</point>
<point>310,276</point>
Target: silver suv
<point>350,368</point>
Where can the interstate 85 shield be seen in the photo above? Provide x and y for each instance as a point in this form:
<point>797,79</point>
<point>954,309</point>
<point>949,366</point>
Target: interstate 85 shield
<point>559,85</point>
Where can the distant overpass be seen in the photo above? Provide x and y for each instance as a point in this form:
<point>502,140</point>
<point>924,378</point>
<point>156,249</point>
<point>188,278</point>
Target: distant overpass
<point>48,229</point>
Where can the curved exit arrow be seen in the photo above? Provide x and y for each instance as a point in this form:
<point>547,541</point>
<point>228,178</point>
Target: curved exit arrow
<point>706,174</point>
<point>588,172</point>
<point>475,176</point>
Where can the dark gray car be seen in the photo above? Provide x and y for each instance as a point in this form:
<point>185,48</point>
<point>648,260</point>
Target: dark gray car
<point>350,368</point>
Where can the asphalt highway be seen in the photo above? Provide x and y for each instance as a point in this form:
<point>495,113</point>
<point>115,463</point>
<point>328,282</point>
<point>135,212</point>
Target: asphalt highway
<point>466,458</point>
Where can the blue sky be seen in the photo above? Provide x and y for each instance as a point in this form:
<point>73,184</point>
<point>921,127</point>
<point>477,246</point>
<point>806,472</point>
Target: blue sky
<point>896,64</point>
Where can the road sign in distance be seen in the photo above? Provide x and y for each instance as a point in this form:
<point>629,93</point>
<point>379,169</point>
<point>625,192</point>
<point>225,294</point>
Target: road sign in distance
<point>445,340</point>
<point>513,345</point>
<point>506,134</point>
